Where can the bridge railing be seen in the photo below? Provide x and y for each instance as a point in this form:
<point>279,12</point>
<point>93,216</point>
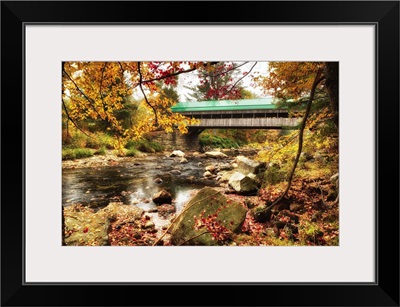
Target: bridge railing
<point>267,122</point>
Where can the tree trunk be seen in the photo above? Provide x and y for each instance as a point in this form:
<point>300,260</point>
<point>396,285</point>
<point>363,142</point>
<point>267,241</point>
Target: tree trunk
<point>332,86</point>
<point>317,80</point>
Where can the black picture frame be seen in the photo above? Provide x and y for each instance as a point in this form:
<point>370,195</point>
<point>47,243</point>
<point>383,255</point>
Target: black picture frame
<point>383,14</point>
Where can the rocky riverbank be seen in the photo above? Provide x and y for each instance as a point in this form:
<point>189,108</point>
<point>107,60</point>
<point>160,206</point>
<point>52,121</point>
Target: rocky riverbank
<point>96,221</point>
<point>231,204</point>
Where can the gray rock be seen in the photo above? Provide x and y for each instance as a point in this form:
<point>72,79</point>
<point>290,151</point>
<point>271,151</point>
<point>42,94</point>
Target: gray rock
<point>334,178</point>
<point>215,154</point>
<point>242,183</point>
<point>177,153</point>
<point>246,165</point>
<point>207,174</point>
<point>162,197</point>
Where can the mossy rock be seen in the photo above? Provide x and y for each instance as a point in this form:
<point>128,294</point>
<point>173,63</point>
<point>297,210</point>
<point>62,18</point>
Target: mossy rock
<point>84,227</point>
<point>206,202</point>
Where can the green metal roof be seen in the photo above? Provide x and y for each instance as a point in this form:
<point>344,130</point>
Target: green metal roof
<point>224,105</point>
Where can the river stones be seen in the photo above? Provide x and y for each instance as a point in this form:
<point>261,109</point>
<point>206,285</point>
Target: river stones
<point>215,154</point>
<point>243,184</point>
<point>162,197</point>
<point>177,153</point>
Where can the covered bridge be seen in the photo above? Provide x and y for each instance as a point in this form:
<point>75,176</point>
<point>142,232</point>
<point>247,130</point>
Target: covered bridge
<point>243,113</point>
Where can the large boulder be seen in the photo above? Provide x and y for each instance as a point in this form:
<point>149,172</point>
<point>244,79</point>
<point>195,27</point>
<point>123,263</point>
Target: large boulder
<point>248,166</point>
<point>206,203</point>
<point>84,226</point>
<point>243,184</point>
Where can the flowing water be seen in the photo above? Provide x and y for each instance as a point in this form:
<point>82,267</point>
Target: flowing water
<point>135,182</point>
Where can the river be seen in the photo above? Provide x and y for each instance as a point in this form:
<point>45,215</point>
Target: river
<point>136,180</point>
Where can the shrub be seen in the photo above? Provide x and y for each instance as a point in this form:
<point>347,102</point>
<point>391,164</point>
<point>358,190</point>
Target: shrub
<point>144,145</point>
<point>274,175</point>
<point>100,151</point>
<point>132,152</point>
<point>310,233</point>
<point>217,141</point>
<point>77,140</point>
<point>76,153</point>
<point>68,154</point>
<point>100,140</point>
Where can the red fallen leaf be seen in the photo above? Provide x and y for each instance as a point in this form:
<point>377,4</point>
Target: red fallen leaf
<point>86,230</point>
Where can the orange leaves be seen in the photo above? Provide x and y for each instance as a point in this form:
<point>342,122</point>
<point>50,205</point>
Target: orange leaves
<point>289,80</point>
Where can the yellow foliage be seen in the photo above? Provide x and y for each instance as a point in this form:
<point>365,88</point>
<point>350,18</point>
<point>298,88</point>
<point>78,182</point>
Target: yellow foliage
<point>96,91</point>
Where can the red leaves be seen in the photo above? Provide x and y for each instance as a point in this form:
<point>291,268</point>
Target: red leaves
<point>86,230</point>
<point>215,228</point>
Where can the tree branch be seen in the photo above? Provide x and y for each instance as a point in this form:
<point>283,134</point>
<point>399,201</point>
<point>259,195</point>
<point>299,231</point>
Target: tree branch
<point>83,94</point>
<point>226,71</point>
<point>101,87</point>
<point>70,118</point>
<point>233,86</point>
<point>144,94</point>
<point>175,73</point>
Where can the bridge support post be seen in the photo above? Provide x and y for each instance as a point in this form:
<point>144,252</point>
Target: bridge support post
<point>192,138</point>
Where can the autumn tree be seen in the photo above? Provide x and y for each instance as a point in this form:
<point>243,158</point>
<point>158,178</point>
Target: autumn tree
<point>309,89</point>
<point>221,81</point>
<point>101,91</point>
<point>290,84</point>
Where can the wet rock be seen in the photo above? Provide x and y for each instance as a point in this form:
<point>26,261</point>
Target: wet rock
<point>162,197</point>
<point>207,174</point>
<point>177,153</point>
<point>149,224</point>
<point>158,180</point>
<point>215,154</point>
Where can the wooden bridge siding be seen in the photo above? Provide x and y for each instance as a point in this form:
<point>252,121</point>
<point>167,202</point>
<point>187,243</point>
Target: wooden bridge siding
<point>248,122</point>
